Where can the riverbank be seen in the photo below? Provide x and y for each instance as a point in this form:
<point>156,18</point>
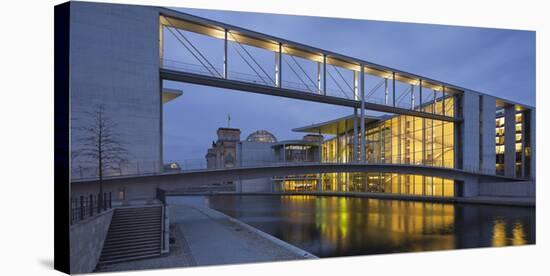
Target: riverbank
<point>203,236</point>
<point>214,238</point>
<point>488,200</point>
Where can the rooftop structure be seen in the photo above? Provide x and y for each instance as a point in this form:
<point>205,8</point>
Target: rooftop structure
<point>263,136</point>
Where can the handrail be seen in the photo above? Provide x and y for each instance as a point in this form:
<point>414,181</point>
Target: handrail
<point>200,165</point>
<point>84,207</point>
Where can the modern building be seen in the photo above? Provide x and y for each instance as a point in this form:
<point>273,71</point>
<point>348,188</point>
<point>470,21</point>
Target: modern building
<point>435,139</point>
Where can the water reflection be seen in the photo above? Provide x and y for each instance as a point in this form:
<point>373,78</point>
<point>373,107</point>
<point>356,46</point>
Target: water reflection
<point>340,226</point>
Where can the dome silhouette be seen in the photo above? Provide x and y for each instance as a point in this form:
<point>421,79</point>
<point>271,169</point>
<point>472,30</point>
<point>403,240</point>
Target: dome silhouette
<point>262,136</point>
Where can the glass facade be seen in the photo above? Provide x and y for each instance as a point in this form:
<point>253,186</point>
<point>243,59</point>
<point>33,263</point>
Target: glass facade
<point>405,184</point>
<point>400,139</point>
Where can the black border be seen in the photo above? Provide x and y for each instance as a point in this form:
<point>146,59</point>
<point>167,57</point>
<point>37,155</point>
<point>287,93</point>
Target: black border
<point>62,14</point>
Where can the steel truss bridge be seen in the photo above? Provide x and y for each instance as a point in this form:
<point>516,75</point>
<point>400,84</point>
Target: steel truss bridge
<point>270,81</point>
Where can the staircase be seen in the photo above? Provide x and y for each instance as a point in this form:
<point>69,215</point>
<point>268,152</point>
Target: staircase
<point>135,233</point>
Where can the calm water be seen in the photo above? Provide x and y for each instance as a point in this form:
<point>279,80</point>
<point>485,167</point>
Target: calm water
<point>340,226</point>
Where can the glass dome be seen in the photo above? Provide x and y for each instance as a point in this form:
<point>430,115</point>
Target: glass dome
<point>262,136</point>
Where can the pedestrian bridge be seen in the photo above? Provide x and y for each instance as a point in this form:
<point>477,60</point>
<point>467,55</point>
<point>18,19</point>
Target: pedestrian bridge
<point>145,185</point>
<point>180,179</point>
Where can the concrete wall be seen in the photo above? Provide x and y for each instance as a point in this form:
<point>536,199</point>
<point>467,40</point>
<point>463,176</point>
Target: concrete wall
<point>114,60</point>
<point>87,238</point>
<point>488,133</point>
<point>478,134</point>
<point>515,189</point>
<point>470,186</point>
<point>259,185</point>
<point>470,131</point>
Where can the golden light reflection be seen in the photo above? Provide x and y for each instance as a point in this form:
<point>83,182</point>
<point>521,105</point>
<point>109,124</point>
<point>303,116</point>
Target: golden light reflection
<point>393,222</point>
<point>518,234</point>
<point>499,233</point>
<point>338,226</point>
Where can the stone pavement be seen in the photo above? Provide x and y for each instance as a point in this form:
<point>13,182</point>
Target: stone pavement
<point>178,257</point>
<point>214,238</point>
<point>203,236</point>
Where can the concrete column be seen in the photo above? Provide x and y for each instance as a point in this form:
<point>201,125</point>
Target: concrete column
<point>510,140</point>
<point>225,69</point>
<point>386,91</point>
<point>399,140</point>
<point>434,102</point>
<point>161,44</point>
<point>319,78</point>
<point>362,127</point>
<point>443,102</point>
<point>470,186</point>
<point>277,74</point>
<point>320,148</point>
<point>420,94</point>
<point>325,75</point>
<point>279,66</point>
<point>470,131</point>
<point>337,145</point>
<point>412,96</point>
<point>458,126</point>
<point>355,133</point>
<point>355,79</point>
<point>284,153</point>
<point>488,134</point>
<point>393,89</point>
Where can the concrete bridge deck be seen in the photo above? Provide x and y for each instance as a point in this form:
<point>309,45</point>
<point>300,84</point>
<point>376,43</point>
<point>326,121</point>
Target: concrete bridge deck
<point>144,186</point>
<point>290,168</point>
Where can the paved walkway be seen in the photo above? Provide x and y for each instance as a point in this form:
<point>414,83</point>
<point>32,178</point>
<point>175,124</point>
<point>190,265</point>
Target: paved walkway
<point>178,257</point>
<point>214,238</point>
<point>203,236</point>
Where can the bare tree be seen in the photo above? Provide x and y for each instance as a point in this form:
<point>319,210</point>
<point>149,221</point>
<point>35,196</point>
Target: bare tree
<point>98,142</point>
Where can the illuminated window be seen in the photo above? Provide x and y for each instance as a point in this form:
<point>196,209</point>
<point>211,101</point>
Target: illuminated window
<point>500,122</point>
<point>519,117</point>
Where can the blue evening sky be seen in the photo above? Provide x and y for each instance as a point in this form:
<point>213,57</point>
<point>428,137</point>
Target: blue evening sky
<point>493,61</point>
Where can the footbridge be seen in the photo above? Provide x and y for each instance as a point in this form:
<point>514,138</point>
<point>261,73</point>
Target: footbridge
<point>146,184</point>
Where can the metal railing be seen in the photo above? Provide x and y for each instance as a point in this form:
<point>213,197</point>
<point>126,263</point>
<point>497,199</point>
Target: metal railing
<point>339,92</point>
<point>188,165</point>
<point>192,165</point>
<point>249,78</point>
<point>87,206</point>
